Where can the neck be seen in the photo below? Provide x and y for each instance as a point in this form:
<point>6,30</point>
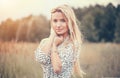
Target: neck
<point>65,35</point>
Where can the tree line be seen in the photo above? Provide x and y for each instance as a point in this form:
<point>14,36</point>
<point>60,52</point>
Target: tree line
<point>98,24</point>
<point>30,28</point>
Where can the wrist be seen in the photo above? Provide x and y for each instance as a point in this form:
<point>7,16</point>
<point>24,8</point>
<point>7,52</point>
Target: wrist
<point>54,45</point>
<point>55,51</point>
<point>54,48</point>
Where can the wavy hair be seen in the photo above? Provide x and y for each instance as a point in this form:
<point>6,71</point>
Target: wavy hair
<point>74,32</point>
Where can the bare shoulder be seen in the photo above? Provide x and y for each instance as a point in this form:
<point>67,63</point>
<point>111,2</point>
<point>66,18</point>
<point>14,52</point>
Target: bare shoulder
<point>43,41</point>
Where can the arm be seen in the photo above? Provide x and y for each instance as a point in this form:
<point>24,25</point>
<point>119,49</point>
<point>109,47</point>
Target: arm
<point>41,55</point>
<point>56,62</point>
<point>46,47</point>
<point>48,43</point>
<point>43,50</point>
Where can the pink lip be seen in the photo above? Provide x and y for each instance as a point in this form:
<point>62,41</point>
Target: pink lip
<point>58,30</point>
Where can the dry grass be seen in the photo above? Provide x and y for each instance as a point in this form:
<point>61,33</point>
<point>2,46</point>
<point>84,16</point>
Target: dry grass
<point>97,60</point>
<point>17,60</point>
<point>101,60</point>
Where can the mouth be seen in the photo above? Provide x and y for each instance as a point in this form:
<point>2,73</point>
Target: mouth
<point>58,30</point>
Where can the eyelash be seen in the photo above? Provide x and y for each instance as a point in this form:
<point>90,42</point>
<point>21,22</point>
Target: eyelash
<point>55,20</point>
<point>62,20</point>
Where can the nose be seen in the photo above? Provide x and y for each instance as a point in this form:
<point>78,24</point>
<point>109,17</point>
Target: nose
<point>58,24</point>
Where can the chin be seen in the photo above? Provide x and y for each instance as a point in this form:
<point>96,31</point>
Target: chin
<point>59,33</point>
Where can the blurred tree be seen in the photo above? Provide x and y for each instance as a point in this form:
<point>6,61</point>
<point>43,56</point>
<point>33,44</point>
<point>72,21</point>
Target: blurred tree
<point>109,23</point>
<point>8,30</point>
<point>32,28</point>
<point>22,29</point>
<point>88,28</point>
<point>39,28</point>
<point>97,23</point>
<point>117,22</point>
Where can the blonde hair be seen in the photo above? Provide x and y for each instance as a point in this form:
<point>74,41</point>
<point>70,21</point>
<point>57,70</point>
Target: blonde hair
<point>74,32</point>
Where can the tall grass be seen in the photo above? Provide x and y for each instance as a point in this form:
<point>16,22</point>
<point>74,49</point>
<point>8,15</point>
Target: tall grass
<point>97,60</point>
<point>17,61</point>
<point>101,60</point>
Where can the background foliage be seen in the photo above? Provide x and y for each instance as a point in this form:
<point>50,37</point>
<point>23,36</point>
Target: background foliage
<point>98,24</point>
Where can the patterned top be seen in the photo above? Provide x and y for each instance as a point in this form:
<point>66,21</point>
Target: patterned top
<point>67,56</point>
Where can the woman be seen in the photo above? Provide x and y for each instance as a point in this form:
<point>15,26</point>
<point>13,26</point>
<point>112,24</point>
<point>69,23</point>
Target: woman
<point>59,53</point>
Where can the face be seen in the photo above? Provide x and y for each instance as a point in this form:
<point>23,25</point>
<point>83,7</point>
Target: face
<point>59,23</point>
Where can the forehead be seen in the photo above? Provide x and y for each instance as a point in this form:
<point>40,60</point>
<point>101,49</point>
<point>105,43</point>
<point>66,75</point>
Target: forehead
<point>58,15</point>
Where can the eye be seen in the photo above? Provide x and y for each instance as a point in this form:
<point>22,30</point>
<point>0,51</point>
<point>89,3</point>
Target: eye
<point>55,20</point>
<point>62,20</point>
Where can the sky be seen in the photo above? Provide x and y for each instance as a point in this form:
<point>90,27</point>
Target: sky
<point>17,9</point>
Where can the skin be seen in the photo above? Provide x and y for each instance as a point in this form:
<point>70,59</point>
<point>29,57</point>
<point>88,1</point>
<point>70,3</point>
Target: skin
<point>60,24</point>
<point>59,31</point>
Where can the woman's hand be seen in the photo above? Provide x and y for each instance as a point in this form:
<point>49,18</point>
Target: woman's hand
<point>55,38</point>
<point>55,59</point>
<point>58,40</point>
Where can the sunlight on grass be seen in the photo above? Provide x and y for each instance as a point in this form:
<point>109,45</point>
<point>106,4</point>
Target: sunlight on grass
<point>97,60</point>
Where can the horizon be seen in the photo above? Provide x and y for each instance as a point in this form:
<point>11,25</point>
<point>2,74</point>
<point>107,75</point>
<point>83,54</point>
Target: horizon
<point>19,8</point>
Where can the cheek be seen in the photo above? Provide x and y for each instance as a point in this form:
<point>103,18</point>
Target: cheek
<point>66,27</point>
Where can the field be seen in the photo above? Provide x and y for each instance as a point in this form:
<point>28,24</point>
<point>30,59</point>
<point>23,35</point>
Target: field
<point>98,60</point>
